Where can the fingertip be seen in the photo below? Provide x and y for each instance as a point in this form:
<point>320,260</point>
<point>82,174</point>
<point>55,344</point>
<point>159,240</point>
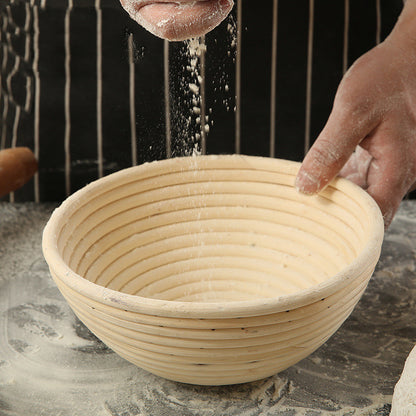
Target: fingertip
<point>307,183</point>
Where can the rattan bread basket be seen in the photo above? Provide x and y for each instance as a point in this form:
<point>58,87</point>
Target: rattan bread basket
<point>213,269</point>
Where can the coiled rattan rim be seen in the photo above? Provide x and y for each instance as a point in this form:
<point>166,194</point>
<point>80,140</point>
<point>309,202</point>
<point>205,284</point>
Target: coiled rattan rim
<point>200,310</point>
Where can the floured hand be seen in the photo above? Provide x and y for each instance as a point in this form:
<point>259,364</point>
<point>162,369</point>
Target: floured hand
<point>178,20</point>
<point>375,109</point>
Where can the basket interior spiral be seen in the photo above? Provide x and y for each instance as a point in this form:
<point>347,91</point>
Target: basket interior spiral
<point>211,229</point>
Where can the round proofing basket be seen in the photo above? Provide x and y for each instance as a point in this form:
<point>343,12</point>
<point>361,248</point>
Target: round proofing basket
<point>213,269</point>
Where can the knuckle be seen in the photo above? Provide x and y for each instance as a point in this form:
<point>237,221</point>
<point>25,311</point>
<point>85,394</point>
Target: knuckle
<point>325,153</point>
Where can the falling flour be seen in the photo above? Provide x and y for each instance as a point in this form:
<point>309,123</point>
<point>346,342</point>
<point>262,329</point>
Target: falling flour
<point>189,119</point>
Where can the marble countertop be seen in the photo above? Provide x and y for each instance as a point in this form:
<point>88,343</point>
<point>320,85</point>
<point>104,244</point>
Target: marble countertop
<point>50,364</point>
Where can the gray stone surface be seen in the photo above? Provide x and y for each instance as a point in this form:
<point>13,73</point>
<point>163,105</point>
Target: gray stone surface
<point>50,364</point>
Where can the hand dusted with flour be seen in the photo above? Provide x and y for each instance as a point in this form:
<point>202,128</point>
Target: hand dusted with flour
<point>375,108</point>
<point>178,20</point>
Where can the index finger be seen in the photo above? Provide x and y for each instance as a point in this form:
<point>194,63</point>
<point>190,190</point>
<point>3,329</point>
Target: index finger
<point>333,147</point>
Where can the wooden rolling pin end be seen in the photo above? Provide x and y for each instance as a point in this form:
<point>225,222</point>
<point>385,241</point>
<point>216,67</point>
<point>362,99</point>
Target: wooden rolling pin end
<point>17,166</point>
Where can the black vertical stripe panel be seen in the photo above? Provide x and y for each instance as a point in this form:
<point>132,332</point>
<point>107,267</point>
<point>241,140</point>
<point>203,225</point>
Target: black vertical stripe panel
<point>115,89</point>
<point>83,147</point>
<point>15,82</point>
<point>327,61</point>
<point>292,43</point>
<point>362,28</point>
<point>390,11</point>
<point>255,77</point>
<point>180,102</point>
<point>25,130</point>
<point>10,52</point>
<point>2,108</point>
<point>52,110</point>
<point>9,120</point>
<point>7,116</point>
<point>149,94</point>
<point>220,86</point>
<point>9,57</point>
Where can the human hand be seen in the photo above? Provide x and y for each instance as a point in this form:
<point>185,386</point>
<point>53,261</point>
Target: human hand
<point>178,20</point>
<point>17,166</point>
<point>374,109</point>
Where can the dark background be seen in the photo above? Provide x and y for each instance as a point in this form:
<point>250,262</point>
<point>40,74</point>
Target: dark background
<point>19,28</point>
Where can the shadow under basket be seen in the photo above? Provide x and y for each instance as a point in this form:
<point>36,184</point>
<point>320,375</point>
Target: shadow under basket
<point>213,269</point>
